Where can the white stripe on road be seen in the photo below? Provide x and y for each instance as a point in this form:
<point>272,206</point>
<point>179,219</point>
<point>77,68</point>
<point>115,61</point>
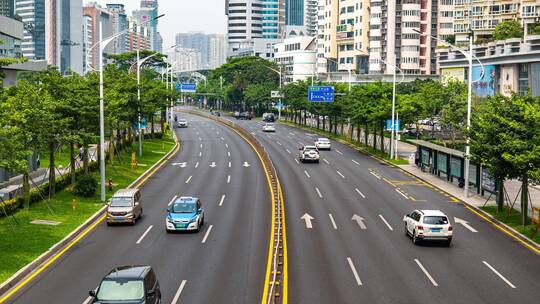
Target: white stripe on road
<point>178,292</point>
<point>402,194</point>
<point>355,162</point>
<point>222,199</point>
<point>339,152</point>
<point>301,143</point>
<point>88,300</point>
<point>498,274</point>
<point>355,273</point>
<point>343,176</point>
<point>200,146</point>
<point>207,233</point>
<point>360,192</point>
<point>307,174</point>
<point>228,179</point>
<point>200,154</point>
<point>297,161</point>
<point>172,200</point>
<point>426,272</point>
<point>387,225</point>
<point>229,153</point>
<point>197,164</point>
<point>318,192</point>
<point>278,143</point>
<point>144,234</point>
<point>332,220</point>
<point>288,151</point>
<point>222,138</point>
<point>229,164</point>
<point>200,138</point>
<point>327,162</point>
<point>227,146</point>
<point>375,174</point>
<point>189,178</point>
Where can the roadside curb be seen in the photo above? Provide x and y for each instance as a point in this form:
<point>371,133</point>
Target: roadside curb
<point>40,263</point>
<point>530,244</point>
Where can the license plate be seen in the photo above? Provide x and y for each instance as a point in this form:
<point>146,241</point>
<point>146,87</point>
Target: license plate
<point>181,225</point>
<point>435,229</point>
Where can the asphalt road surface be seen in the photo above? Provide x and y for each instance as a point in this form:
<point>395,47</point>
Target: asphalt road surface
<point>222,264</point>
<point>346,239</point>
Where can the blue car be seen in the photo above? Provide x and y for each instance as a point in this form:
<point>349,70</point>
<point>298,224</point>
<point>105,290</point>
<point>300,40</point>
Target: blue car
<point>185,213</point>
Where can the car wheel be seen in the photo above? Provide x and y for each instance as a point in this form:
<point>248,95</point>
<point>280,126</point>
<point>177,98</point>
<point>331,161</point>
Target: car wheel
<point>202,221</point>
<point>415,239</point>
<point>317,161</point>
<point>406,231</point>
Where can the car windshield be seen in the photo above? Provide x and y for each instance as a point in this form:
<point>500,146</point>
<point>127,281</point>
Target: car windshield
<point>121,202</point>
<point>183,207</point>
<point>182,120</point>
<point>120,290</point>
<point>435,220</point>
<point>269,125</point>
<point>310,148</point>
<point>324,140</point>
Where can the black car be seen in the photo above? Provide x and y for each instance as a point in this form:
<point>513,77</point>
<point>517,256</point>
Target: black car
<point>128,285</point>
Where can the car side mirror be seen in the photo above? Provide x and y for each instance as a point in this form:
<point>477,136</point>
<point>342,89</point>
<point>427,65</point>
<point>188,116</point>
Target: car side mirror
<point>168,209</point>
<point>200,210</point>
<point>92,293</point>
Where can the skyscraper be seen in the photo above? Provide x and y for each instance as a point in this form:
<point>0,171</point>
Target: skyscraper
<point>119,23</point>
<point>148,11</point>
<point>294,12</point>
<point>7,8</point>
<point>244,22</point>
<point>32,14</point>
<point>210,46</point>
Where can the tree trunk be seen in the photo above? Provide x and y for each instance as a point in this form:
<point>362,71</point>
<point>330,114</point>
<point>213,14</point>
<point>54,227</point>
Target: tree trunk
<point>26,190</point>
<point>366,134</point>
<point>324,122</point>
<point>52,169</point>
<point>111,147</point>
<point>85,158</point>
<point>72,161</point>
<point>499,184</point>
<point>375,136</point>
<point>152,125</point>
<point>525,200</point>
<point>382,136</point>
<point>162,121</point>
<point>358,131</point>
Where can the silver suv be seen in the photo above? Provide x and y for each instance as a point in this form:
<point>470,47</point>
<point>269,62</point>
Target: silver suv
<point>125,207</point>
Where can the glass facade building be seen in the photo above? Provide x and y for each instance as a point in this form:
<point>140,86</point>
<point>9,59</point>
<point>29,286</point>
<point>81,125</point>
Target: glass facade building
<point>294,12</point>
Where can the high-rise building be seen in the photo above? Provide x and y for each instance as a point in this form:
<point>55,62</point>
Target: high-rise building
<point>139,37</point>
<point>244,23</point>
<point>210,46</point>
<point>294,12</point>
<point>186,59</point>
<point>93,16</point>
<point>326,35</point>
<point>218,51</point>
<point>273,19</point>
<point>310,17</point>
<point>119,23</point>
<point>7,8</point>
<point>297,57</point>
<point>149,11</point>
<point>32,14</point>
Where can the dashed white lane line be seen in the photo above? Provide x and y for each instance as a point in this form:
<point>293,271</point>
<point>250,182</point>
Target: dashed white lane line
<point>499,275</point>
<point>206,234</point>
<point>200,154</point>
<point>200,146</point>
<point>360,192</point>
<point>402,194</point>
<point>229,164</point>
<point>222,200</point>
<point>339,152</point>
<point>172,200</point>
<point>197,164</point>
<point>200,138</point>
<point>318,192</point>
<point>297,161</point>
<point>342,176</point>
<point>278,143</point>
<point>144,234</point>
<point>355,273</point>
<point>227,146</point>
<point>375,174</point>
<point>355,162</point>
<point>189,178</point>
<point>300,143</point>
<point>426,272</point>
<point>307,174</point>
<point>222,138</point>
<point>387,225</point>
<point>179,292</point>
<point>327,162</point>
<point>228,179</point>
<point>288,151</point>
<point>228,153</point>
<point>332,220</point>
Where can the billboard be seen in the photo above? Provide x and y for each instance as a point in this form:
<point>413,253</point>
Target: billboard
<point>448,74</point>
<point>321,94</point>
<point>484,85</point>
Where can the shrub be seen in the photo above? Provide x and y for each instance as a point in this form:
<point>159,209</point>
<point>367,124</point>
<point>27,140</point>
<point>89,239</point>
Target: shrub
<point>86,186</point>
<point>508,29</point>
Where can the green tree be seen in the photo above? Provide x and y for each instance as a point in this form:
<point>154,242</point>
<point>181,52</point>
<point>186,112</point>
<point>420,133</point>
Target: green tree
<point>508,29</point>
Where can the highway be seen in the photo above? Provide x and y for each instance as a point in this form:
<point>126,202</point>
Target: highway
<point>224,263</point>
<point>346,239</point>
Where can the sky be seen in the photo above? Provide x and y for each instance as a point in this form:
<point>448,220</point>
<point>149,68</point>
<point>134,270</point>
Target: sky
<point>183,16</point>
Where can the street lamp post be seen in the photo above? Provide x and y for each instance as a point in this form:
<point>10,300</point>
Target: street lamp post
<point>280,73</point>
<point>348,70</point>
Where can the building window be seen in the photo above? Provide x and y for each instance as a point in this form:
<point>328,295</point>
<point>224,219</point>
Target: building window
<point>523,80</point>
<point>529,10</point>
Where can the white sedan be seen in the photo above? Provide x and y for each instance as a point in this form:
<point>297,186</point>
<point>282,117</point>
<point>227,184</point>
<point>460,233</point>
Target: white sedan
<point>428,225</point>
<point>323,144</point>
<point>269,127</point>
<point>309,154</point>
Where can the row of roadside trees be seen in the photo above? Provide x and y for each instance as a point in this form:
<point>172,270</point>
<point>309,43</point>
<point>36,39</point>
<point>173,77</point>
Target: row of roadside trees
<point>504,133</point>
<point>46,110</point>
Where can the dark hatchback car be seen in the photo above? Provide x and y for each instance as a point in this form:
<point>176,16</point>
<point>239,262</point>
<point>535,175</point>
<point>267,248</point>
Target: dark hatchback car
<point>128,285</point>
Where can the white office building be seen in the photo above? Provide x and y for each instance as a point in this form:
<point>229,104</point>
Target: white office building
<point>298,58</point>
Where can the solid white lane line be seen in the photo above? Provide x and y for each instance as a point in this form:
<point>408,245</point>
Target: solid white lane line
<point>318,192</point>
<point>189,178</point>
<point>307,174</point>
<point>297,161</point>
<point>360,192</point>
<point>178,292</point>
<point>332,220</point>
<point>144,234</point>
<point>228,153</point>
<point>343,176</point>
<point>402,194</point>
<point>426,272</point>
<point>498,274</point>
<point>229,164</point>
<point>200,154</point>
<point>278,143</point>
<point>327,162</point>
<point>339,152</point>
<point>222,199</point>
<point>374,174</point>
<point>227,146</point>
<point>355,273</point>
<point>355,162</point>
<point>206,234</point>
<point>288,151</point>
<point>197,164</point>
<point>172,200</point>
<point>228,179</point>
<point>387,225</point>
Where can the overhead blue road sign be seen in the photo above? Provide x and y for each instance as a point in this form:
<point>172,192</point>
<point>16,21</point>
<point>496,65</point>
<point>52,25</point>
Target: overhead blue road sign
<point>321,94</point>
<point>186,87</point>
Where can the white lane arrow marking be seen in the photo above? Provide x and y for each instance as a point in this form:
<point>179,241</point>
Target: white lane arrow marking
<point>246,164</point>
<point>464,223</point>
<point>213,165</point>
<point>360,221</point>
<point>181,165</point>
<point>306,217</point>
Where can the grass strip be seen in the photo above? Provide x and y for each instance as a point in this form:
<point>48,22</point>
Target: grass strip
<point>514,220</point>
<point>23,242</point>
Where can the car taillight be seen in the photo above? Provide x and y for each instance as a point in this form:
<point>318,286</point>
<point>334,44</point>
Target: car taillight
<point>450,228</point>
<point>420,228</point>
